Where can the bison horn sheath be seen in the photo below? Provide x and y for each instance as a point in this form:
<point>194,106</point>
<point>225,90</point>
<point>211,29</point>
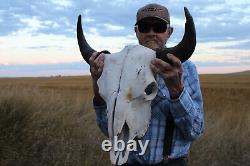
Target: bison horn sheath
<point>186,47</point>
<point>85,49</point>
<point>182,51</point>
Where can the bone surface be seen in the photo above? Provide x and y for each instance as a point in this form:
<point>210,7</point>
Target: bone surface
<point>128,86</point>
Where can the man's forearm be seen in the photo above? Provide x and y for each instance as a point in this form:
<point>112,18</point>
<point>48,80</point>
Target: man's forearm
<point>188,115</point>
<point>100,109</point>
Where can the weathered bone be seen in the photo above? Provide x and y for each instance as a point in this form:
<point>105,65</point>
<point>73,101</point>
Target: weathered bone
<point>128,86</point>
<point>186,47</point>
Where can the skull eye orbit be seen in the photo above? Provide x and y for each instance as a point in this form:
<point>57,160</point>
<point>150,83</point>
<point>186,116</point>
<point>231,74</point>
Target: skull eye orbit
<point>150,88</point>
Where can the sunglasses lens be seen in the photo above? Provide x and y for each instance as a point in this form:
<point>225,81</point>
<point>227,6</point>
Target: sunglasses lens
<point>157,27</point>
<point>144,27</point>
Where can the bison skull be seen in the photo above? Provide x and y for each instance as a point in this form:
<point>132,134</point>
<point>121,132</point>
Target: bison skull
<point>128,85</point>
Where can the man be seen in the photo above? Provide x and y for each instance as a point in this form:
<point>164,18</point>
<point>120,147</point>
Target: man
<point>178,102</point>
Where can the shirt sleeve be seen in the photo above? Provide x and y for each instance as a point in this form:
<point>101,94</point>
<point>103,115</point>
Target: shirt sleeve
<point>187,110</point>
<point>101,117</point>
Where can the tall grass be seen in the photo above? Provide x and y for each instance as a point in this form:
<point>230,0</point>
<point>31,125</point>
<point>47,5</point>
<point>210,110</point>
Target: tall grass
<point>227,132</point>
<point>43,128</point>
<point>50,121</point>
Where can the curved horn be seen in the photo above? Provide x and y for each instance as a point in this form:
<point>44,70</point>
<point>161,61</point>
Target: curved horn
<point>85,49</point>
<point>186,47</point>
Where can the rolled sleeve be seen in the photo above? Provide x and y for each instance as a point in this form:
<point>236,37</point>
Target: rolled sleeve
<point>181,106</point>
<point>101,117</point>
<point>187,110</point>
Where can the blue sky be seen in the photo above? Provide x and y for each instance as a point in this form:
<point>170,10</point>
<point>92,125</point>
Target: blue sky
<point>38,37</point>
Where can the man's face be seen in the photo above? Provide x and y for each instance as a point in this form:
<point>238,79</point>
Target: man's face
<point>149,32</point>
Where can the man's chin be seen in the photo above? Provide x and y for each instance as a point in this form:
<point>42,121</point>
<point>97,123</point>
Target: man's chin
<point>153,45</point>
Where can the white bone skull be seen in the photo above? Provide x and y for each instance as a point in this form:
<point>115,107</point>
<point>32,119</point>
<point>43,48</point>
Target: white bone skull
<point>128,86</point>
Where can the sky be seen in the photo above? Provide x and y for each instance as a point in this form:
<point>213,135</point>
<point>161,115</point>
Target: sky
<point>38,37</point>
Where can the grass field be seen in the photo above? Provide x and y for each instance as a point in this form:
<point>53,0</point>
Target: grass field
<point>50,122</point>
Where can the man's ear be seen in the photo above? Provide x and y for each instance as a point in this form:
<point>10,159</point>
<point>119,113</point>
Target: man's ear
<point>170,31</point>
<point>136,33</point>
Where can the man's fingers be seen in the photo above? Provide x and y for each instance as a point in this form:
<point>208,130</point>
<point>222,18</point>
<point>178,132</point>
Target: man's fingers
<point>99,61</point>
<point>96,65</point>
<point>92,58</point>
<point>96,61</point>
<point>100,70</point>
<point>176,62</point>
<point>160,65</point>
<point>100,57</point>
<point>165,69</point>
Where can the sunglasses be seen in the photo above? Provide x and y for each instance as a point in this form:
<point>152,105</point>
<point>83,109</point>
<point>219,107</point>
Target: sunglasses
<point>158,27</point>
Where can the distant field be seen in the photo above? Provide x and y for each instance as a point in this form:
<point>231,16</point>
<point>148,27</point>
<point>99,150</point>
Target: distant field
<point>231,81</point>
<point>50,121</point>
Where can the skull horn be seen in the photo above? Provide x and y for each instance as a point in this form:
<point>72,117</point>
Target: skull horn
<point>186,47</point>
<point>85,49</point>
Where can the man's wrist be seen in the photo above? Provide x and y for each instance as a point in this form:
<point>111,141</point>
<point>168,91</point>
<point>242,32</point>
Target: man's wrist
<point>98,101</point>
<point>176,92</point>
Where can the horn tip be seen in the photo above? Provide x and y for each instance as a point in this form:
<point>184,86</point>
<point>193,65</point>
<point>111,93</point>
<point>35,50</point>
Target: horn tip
<point>186,10</point>
<point>187,13</point>
<point>79,16</point>
<point>79,21</point>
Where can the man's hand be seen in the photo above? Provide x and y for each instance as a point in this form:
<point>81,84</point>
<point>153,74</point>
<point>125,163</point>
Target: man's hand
<point>171,74</point>
<point>96,67</point>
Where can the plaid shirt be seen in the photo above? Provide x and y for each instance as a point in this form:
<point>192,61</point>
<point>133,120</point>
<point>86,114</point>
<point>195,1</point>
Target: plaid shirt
<point>187,112</point>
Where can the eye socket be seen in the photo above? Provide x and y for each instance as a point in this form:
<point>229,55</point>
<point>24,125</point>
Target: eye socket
<point>150,88</point>
<point>150,91</point>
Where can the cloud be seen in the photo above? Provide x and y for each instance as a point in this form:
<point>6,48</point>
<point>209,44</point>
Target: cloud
<point>64,69</point>
<point>58,66</point>
<point>63,3</point>
<point>25,48</point>
<point>244,20</point>
<point>242,45</point>
<point>221,64</point>
<point>113,27</point>
<point>215,20</point>
<point>44,47</point>
<point>32,24</point>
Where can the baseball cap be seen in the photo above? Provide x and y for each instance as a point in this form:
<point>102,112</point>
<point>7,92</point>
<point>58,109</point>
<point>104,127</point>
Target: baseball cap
<point>153,10</point>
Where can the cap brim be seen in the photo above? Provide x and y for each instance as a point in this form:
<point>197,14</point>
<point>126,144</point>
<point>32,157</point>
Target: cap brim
<point>152,17</point>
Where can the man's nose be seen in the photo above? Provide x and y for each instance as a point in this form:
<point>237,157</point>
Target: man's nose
<point>151,31</point>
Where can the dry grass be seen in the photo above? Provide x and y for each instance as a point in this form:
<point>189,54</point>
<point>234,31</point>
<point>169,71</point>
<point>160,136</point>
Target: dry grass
<point>227,121</point>
<point>50,121</point>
